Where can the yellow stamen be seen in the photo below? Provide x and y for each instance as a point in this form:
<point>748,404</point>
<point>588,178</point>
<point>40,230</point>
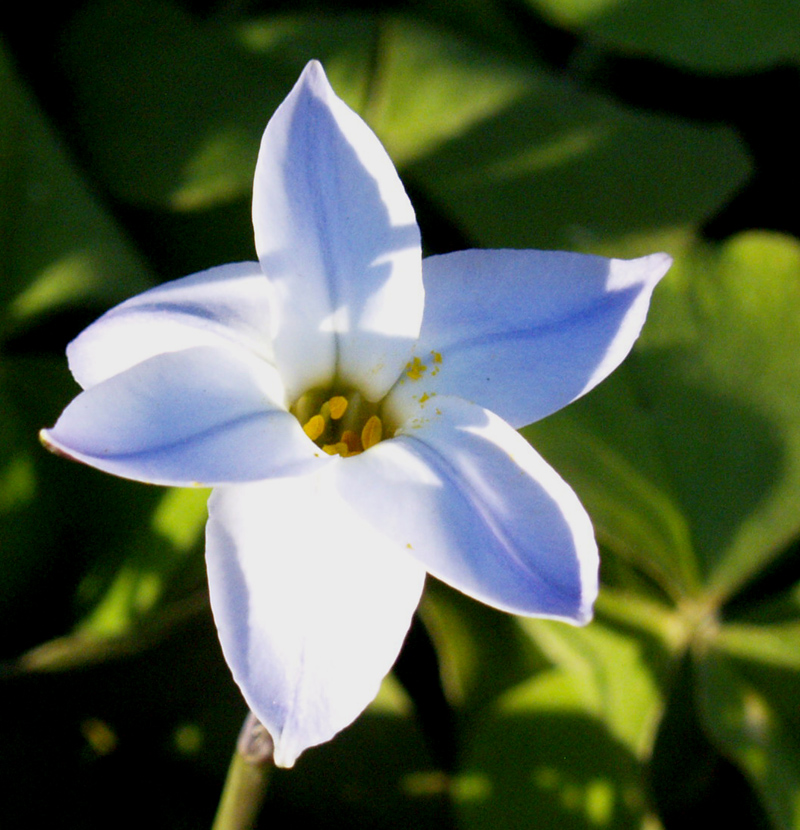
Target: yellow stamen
<point>372,432</point>
<point>338,406</point>
<point>335,449</point>
<point>341,425</point>
<point>314,427</point>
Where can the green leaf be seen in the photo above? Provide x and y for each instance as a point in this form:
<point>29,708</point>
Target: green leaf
<point>701,35</point>
<point>24,537</point>
<point>688,459</point>
<point>563,747</point>
<point>508,152</point>
<point>689,456</point>
<point>110,551</point>
<point>59,247</point>
<point>481,651</point>
<point>748,686</point>
<point>155,553</point>
<point>342,778</point>
<point>197,94</point>
<point>776,646</point>
<point>559,768</point>
<point>720,364</point>
<point>181,138</point>
<point>516,157</point>
<point>607,446</point>
<point>615,671</point>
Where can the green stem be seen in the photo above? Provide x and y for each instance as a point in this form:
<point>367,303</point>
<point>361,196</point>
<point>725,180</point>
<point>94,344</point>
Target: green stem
<point>248,776</point>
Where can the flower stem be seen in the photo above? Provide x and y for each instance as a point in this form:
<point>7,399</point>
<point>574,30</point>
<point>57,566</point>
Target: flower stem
<point>248,775</point>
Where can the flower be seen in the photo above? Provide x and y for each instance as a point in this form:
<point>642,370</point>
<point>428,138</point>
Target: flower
<point>355,410</point>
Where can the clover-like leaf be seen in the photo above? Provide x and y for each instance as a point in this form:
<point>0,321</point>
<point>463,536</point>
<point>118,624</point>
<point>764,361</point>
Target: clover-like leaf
<point>700,35</point>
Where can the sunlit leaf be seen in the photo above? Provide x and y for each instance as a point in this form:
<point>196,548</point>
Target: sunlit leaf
<point>155,553</point>
<point>617,673</point>
<point>696,439</point>
<point>509,153</point>
<point>704,35</point>
<point>481,651</point>
<point>516,157</point>
<point>59,248</point>
<point>197,95</point>
<point>563,748</point>
<point>548,769</point>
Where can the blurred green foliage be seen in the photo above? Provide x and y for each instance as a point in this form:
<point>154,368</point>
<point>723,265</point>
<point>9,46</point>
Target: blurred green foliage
<point>128,134</point>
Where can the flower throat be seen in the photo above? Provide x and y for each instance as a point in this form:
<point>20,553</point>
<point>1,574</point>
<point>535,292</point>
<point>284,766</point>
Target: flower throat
<point>343,425</point>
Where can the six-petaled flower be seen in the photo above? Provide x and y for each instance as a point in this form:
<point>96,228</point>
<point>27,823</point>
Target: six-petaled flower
<point>355,409</point>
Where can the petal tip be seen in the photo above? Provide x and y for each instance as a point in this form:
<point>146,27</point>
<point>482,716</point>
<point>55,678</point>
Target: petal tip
<point>47,440</point>
<point>583,616</point>
<point>314,69</point>
<point>642,272</point>
<point>283,758</point>
<point>661,263</point>
<point>313,78</point>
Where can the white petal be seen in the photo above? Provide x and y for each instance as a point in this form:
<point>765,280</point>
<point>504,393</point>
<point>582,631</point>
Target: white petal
<point>311,604</point>
<point>221,306</point>
<point>200,416</point>
<point>337,237</point>
<point>472,500</point>
<point>523,333</point>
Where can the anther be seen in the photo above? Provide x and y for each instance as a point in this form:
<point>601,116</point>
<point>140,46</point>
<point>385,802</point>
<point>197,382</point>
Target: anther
<point>372,432</point>
<point>314,427</point>
<point>340,426</point>
<point>338,406</point>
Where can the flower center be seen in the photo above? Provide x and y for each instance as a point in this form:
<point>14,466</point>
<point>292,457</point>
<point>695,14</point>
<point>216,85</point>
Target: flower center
<point>340,424</point>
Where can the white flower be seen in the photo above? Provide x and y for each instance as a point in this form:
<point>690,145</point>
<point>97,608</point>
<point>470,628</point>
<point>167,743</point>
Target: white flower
<point>355,410</point>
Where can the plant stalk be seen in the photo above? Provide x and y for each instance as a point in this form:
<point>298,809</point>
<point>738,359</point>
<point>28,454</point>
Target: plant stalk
<point>247,779</point>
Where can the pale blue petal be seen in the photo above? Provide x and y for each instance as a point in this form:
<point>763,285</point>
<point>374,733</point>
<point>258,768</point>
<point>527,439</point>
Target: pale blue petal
<point>466,495</point>
<point>337,237</point>
<point>524,333</point>
<point>227,305</point>
<point>202,416</point>
<point>311,603</point>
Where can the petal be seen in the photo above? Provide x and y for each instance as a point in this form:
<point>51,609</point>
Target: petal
<point>200,416</point>
<point>311,604</point>
<point>221,306</point>
<point>470,498</point>
<point>524,333</point>
<point>337,237</point>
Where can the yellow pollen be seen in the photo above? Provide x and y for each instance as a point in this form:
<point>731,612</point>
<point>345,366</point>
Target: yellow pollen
<point>314,427</point>
<point>372,432</point>
<point>338,406</point>
<point>437,357</point>
<point>342,425</point>
<point>416,368</point>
